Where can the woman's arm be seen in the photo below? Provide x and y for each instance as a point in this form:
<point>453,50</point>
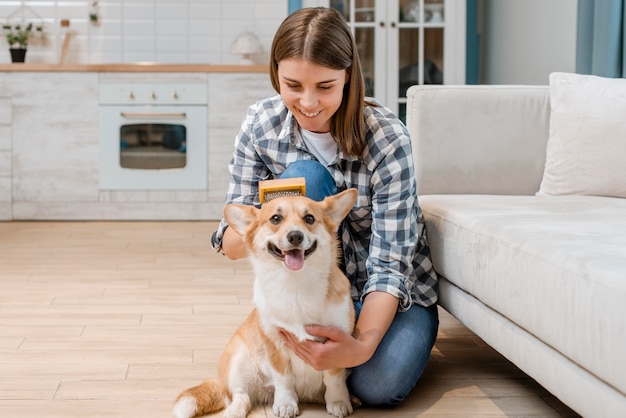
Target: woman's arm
<point>377,313</point>
<point>245,171</point>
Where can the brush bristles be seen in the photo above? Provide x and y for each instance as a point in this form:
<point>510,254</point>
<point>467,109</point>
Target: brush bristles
<point>273,195</point>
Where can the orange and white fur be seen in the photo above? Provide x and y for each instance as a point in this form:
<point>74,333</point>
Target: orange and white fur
<point>294,253</point>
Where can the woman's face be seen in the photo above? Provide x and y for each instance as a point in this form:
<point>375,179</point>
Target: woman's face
<point>311,92</point>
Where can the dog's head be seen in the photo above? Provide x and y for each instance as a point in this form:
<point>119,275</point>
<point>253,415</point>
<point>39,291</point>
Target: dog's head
<point>291,229</point>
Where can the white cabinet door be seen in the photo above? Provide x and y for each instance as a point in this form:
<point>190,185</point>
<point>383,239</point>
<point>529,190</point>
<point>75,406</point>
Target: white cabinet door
<point>407,42</point>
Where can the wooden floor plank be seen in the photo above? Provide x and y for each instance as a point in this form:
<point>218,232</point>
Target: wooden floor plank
<point>114,319</point>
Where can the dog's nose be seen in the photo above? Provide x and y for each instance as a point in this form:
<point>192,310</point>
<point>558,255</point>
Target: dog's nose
<point>295,238</point>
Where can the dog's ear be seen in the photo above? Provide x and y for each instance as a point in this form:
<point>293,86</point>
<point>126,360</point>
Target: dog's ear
<point>239,217</point>
<point>338,206</point>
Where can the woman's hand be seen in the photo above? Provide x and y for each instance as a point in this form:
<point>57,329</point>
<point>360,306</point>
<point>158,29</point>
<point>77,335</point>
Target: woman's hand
<point>334,349</point>
<point>340,349</point>
<point>233,245</point>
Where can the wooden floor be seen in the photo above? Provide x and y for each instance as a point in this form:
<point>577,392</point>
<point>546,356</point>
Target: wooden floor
<point>114,319</point>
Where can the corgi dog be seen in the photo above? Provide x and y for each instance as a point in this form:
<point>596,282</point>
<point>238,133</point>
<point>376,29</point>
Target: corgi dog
<point>294,251</point>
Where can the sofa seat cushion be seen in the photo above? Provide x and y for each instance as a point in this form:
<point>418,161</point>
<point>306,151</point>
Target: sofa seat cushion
<point>555,266</point>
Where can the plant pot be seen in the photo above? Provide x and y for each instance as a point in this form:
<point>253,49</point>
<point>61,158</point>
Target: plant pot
<point>18,54</point>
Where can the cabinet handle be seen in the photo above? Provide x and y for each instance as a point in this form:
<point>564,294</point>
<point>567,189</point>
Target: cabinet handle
<point>382,24</point>
<point>153,115</point>
<point>393,24</point>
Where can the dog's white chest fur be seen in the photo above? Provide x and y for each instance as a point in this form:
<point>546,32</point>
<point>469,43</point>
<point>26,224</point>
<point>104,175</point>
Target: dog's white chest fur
<point>291,300</point>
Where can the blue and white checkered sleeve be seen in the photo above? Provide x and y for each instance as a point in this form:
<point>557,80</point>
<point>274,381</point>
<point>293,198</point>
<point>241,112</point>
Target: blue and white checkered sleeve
<point>246,169</point>
<point>394,221</point>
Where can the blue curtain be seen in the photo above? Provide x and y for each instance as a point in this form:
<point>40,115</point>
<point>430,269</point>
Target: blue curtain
<point>601,38</point>
<point>293,5</point>
<point>472,43</point>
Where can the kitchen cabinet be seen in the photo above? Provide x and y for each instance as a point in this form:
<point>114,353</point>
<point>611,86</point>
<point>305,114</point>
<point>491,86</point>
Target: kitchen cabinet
<point>407,42</point>
<point>50,142</point>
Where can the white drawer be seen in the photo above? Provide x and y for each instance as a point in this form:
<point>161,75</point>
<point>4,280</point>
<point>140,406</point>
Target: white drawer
<point>153,93</point>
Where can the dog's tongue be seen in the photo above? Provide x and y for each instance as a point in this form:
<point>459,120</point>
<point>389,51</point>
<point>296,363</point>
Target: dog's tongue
<point>294,259</point>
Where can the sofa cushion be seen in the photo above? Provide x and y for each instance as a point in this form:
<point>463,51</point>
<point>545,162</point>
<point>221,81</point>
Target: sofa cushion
<point>586,150</point>
<point>553,265</point>
<point>478,139</point>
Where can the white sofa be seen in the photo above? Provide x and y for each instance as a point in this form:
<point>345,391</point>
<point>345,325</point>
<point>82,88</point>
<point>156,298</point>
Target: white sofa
<point>540,278</point>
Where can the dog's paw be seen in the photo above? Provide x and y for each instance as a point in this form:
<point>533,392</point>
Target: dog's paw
<point>236,412</point>
<point>236,409</point>
<point>339,409</point>
<point>286,410</point>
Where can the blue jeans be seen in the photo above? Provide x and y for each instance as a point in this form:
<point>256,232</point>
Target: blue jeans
<point>319,182</point>
<point>387,378</point>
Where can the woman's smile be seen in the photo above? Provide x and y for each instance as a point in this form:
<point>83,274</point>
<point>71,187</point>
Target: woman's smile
<point>309,114</point>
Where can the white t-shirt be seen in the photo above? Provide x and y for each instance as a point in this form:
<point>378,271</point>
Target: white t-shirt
<point>323,146</point>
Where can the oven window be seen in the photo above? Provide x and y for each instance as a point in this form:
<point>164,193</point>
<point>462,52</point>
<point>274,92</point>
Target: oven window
<point>153,146</point>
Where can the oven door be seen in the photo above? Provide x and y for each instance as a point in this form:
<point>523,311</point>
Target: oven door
<point>153,147</point>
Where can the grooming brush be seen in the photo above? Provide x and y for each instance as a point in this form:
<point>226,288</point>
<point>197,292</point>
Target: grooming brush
<point>271,189</point>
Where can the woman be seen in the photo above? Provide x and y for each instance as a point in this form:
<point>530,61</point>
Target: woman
<point>321,127</point>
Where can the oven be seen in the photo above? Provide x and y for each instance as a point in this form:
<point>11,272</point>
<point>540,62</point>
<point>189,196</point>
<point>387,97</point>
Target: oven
<point>153,136</point>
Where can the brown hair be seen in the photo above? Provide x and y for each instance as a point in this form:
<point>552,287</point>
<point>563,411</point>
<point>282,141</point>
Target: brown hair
<point>322,36</point>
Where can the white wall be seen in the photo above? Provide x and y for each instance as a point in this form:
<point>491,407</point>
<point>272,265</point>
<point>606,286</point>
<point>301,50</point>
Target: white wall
<point>523,41</point>
<point>164,31</point>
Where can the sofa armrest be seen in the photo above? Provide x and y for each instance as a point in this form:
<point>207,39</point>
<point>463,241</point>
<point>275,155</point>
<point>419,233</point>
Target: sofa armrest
<point>478,139</point>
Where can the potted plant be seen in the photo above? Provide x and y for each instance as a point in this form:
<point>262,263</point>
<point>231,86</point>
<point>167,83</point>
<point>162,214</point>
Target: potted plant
<point>17,37</point>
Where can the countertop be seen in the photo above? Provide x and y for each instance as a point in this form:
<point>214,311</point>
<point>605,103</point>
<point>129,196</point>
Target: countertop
<point>138,67</point>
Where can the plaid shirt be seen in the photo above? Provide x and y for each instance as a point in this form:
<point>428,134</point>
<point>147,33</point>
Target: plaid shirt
<point>383,237</point>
